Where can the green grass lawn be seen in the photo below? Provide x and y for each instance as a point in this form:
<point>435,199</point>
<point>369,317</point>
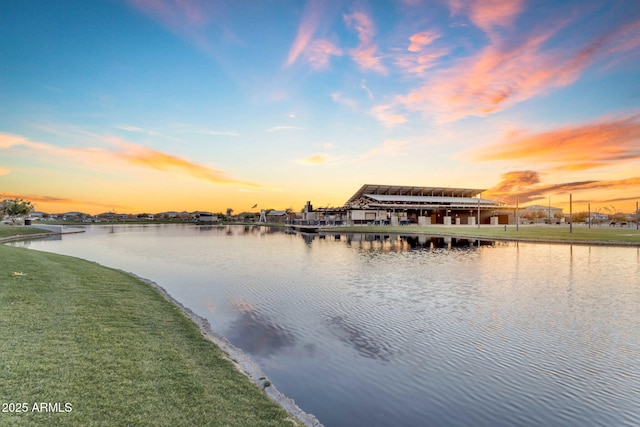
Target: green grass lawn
<point>12,230</point>
<point>113,349</point>
<point>581,233</point>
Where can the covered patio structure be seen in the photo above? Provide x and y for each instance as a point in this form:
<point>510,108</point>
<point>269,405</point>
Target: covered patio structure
<point>404,205</point>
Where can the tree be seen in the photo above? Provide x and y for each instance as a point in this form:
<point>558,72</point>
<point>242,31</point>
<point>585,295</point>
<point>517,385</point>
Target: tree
<point>15,208</point>
<point>580,216</point>
<point>620,217</point>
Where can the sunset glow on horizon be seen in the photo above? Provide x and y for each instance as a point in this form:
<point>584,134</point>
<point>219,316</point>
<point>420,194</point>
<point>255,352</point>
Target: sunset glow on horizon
<point>164,105</point>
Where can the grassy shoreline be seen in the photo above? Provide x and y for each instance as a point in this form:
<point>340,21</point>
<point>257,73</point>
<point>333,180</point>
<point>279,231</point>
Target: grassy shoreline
<point>101,347</point>
<point>8,232</point>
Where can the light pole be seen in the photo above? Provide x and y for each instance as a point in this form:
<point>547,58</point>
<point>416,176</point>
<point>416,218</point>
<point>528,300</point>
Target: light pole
<point>570,213</point>
<point>517,216</point>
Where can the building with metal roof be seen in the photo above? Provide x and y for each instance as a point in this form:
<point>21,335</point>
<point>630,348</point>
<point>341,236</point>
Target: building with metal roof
<point>403,205</point>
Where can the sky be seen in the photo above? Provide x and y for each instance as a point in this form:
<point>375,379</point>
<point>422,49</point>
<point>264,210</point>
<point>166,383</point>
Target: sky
<point>159,105</point>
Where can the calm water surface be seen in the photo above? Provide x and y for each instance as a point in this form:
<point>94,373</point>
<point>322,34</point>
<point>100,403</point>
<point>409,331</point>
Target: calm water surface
<point>395,331</point>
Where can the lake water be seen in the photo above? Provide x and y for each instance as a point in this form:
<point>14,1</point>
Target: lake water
<point>397,331</point>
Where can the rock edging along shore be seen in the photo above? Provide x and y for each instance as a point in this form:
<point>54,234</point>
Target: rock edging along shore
<point>242,362</point>
<point>24,237</point>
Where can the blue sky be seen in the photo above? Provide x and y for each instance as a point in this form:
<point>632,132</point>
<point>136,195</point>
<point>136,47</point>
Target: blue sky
<point>170,105</point>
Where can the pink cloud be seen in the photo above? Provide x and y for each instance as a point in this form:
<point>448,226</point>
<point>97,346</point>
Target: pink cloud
<point>365,54</point>
<point>177,15</point>
<point>586,146</point>
<point>7,141</point>
<point>385,115</point>
<point>306,30</point>
<point>422,55</point>
<point>186,18</point>
<point>320,53</point>
<point>501,75</point>
<point>488,14</point>
<point>422,39</point>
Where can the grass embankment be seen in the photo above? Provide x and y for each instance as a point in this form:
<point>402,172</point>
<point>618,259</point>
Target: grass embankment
<point>113,349</point>
<point>10,231</point>
<point>557,233</point>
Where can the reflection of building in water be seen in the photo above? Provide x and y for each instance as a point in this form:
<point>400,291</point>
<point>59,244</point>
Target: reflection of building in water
<point>403,205</point>
<point>396,243</point>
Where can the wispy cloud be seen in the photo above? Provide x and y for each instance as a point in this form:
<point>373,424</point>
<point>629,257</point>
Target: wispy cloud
<point>146,157</point>
<point>419,64</point>
<point>421,55</point>
<point>363,86</point>
<point>365,54</point>
<point>589,145</point>
<point>386,115</point>
<point>390,146</point>
<point>314,159</point>
<point>221,133</point>
<point>320,158</point>
<point>420,40</point>
<point>488,14</point>
<point>341,99</point>
<point>320,52</point>
<point>307,28</point>
<point>130,153</point>
<point>505,72</point>
<point>283,128</point>
<point>7,140</point>
<point>130,128</point>
<point>187,19</point>
<point>48,199</point>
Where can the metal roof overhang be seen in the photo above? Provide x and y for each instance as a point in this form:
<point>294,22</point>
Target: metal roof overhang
<point>430,203</point>
<point>432,206</point>
<point>403,190</point>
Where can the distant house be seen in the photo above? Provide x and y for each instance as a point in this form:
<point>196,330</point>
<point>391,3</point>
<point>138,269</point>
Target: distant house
<point>276,216</point>
<point>597,218</point>
<point>203,216</point>
<point>147,216</point>
<point>169,215</point>
<point>246,216</point>
<point>75,216</point>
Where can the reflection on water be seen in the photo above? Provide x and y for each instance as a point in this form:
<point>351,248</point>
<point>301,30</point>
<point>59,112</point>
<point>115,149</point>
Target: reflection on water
<point>387,330</point>
<point>357,337</point>
<point>387,242</point>
<point>257,334</point>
